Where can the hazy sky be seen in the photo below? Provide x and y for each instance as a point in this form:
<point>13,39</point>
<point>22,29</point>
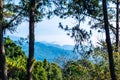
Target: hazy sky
<point>48,31</point>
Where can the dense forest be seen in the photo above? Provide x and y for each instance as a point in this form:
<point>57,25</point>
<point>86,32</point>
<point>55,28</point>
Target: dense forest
<point>99,62</point>
<point>82,69</point>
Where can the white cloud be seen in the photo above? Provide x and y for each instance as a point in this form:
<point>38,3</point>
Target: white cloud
<point>59,39</point>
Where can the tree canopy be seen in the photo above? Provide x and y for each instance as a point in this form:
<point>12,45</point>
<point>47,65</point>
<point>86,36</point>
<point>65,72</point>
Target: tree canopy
<point>99,15</point>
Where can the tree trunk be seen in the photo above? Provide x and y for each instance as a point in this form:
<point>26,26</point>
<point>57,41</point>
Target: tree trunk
<point>3,69</point>
<point>117,25</point>
<point>31,40</point>
<point>108,41</point>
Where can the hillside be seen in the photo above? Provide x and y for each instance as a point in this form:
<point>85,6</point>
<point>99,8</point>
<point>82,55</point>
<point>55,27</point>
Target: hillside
<point>49,51</point>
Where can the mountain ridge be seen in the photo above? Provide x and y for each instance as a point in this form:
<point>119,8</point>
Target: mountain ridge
<point>46,50</point>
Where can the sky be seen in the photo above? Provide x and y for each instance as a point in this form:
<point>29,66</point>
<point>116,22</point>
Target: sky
<point>47,31</point>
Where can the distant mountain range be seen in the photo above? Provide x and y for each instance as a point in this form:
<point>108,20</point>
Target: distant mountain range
<point>51,52</point>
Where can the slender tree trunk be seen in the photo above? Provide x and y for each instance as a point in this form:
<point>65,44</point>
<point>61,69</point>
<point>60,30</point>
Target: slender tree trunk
<point>31,40</point>
<point>2,50</point>
<point>117,25</point>
<point>108,41</point>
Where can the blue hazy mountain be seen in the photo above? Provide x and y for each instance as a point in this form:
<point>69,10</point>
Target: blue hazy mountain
<point>65,47</point>
<point>49,51</point>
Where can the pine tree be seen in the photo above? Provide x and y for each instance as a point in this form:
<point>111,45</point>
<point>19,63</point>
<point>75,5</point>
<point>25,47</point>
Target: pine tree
<point>108,41</point>
<point>117,25</point>
<point>31,39</point>
<point>2,50</point>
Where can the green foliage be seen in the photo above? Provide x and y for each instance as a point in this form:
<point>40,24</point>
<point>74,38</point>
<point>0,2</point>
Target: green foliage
<point>16,68</point>
<point>39,72</point>
<point>13,50</point>
<point>77,9</point>
<point>97,68</point>
<point>83,69</point>
<point>46,71</point>
<point>11,15</point>
<point>74,70</point>
<point>17,60</point>
<point>56,73</point>
<point>41,9</point>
